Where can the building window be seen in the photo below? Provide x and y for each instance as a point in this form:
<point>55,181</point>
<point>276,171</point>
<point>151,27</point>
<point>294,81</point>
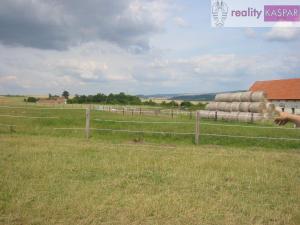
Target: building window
<point>293,110</point>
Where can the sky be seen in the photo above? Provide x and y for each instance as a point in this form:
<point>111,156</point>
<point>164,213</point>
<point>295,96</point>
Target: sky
<point>136,47</point>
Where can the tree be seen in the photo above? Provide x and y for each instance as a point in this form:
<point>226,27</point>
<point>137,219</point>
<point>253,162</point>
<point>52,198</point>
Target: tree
<point>32,99</point>
<point>65,94</point>
<point>186,104</point>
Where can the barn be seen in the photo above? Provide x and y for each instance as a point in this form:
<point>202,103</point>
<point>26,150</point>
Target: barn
<point>285,94</point>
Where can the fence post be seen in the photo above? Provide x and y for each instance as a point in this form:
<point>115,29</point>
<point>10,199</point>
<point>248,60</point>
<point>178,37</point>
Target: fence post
<point>172,114</point>
<point>87,125</point>
<point>123,111</point>
<point>197,128</point>
<point>140,111</point>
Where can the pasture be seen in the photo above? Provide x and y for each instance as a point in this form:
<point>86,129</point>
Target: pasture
<point>51,174</point>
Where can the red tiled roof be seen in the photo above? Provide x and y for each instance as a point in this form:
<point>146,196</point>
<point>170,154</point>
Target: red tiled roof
<point>279,89</point>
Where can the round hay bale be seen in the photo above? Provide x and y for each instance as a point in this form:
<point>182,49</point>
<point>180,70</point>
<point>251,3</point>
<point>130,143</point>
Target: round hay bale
<point>222,106</point>
<point>235,106</point>
<point>257,107</point>
<point>236,97</point>
<point>212,106</point>
<point>246,96</point>
<point>221,115</point>
<point>212,115</point>
<point>245,117</point>
<point>228,107</point>
<point>258,96</point>
<point>245,107</point>
<point>233,116</point>
<point>257,117</point>
<point>204,114</point>
<point>270,107</point>
<point>225,97</point>
<point>227,116</point>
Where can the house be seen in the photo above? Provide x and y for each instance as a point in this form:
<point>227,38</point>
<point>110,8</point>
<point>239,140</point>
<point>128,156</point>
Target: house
<point>53,100</point>
<point>285,94</point>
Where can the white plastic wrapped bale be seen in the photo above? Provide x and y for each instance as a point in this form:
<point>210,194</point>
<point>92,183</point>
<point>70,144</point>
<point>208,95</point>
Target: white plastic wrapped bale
<point>235,106</point>
<point>246,96</point>
<point>258,96</point>
<point>245,107</point>
<point>258,107</point>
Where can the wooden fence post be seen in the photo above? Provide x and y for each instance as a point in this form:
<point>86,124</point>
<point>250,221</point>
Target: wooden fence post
<point>123,111</point>
<point>172,114</point>
<point>87,125</point>
<point>197,128</point>
<point>140,111</point>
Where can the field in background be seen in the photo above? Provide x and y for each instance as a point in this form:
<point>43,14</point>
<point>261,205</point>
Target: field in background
<point>52,176</point>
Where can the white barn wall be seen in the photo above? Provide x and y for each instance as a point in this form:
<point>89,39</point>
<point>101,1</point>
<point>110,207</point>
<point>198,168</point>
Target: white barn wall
<point>288,105</point>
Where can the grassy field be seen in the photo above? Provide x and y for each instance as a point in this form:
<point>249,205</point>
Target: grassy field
<point>50,176</point>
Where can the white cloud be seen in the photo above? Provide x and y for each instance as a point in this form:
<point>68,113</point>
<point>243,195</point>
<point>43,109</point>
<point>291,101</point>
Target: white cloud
<point>287,33</point>
<point>250,32</point>
<point>179,21</point>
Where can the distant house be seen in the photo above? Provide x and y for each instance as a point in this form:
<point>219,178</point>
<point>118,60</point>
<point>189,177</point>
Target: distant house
<point>53,100</point>
<point>285,94</point>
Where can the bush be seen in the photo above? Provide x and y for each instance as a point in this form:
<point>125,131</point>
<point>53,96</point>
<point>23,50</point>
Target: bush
<point>31,99</point>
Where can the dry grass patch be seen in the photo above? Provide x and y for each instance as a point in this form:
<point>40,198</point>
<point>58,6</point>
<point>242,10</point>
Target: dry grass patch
<point>71,181</point>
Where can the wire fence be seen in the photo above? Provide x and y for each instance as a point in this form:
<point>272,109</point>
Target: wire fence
<point>31,117</point>
<point>197,131</point>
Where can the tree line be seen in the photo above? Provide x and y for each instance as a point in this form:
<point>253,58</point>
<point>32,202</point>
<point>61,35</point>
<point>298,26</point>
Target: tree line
<point>119,99</point>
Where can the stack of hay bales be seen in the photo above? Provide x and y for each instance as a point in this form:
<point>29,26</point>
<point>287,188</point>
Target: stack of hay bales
<point>241,106</point>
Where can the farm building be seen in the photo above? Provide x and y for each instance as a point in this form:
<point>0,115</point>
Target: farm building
<point>285,94</point>
<point>54,100</point>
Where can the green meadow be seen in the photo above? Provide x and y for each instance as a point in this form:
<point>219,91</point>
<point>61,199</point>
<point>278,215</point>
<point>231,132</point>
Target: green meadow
<point>51,174</point>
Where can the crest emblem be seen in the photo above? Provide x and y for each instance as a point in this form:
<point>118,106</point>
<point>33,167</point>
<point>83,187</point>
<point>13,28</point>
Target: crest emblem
<point>219,12</point>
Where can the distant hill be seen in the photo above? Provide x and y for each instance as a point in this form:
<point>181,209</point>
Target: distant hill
<point>187,97</point>
<point>201,97</point>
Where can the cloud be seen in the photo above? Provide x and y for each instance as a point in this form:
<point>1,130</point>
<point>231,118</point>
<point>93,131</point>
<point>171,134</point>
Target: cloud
<point>180,22</point>
<point>104,67</point>
<point>250,32</point>
<point>283,34</point>
<point>61,24</point>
